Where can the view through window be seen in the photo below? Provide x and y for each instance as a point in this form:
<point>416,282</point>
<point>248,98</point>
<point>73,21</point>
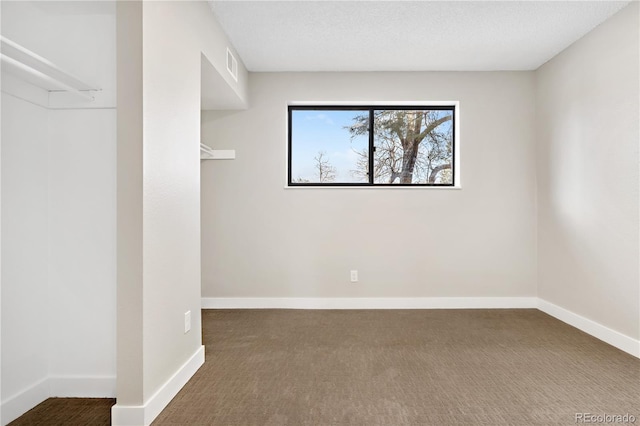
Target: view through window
<point>362,145</point>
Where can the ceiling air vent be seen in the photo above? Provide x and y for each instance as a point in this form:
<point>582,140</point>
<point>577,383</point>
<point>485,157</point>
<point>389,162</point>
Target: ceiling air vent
<point>232,65</point>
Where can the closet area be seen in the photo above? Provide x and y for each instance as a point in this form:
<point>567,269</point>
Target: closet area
<point>58,176</point>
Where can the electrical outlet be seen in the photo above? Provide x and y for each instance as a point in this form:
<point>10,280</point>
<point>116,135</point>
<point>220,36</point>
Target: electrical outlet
<point>354,276</point>
<point>187,322</point>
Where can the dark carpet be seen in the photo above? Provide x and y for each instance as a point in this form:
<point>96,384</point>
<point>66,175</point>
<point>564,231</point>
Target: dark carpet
<point>401,367</point>
<point>388,367</point>
<point>68,412</point>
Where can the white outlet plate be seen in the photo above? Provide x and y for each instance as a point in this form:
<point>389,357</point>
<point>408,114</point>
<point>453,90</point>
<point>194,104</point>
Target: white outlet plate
<point>187,321</point>
<point>354,276</point>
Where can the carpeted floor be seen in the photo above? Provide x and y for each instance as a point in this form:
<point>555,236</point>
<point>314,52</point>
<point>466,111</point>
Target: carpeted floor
<point>413,367</point>
<point>396,367</point>
<point>68,412</point>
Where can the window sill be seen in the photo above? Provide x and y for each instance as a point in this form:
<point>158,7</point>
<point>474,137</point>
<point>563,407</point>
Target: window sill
<point>383,187</point>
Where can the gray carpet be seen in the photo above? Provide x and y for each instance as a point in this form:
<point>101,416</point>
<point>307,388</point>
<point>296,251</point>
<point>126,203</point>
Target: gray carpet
<point>401,367</point>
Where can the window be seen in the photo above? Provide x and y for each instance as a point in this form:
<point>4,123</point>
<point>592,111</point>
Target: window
<point>371,146</point>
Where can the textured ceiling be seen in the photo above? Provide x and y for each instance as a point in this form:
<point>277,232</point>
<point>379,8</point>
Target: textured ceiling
<point>405,35</point>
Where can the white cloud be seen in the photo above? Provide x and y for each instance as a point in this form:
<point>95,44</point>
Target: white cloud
<point>322,117</point>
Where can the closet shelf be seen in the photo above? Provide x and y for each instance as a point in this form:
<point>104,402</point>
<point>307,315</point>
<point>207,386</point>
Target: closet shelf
<point>41,72</point>
<point>208,153</point>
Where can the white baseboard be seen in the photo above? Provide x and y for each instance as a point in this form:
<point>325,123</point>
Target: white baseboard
<point>368,302</point>
<point>82,387</point>
<point>593,328</point>
<point>599,331</point>
<point>17,405</point>
<point>143,415</point>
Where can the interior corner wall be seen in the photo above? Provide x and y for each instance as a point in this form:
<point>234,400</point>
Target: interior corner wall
<point>260,240</point>
<point>159,191</point>
<point>129,203</point>
<point>171,191</point>
<point>588,176</point>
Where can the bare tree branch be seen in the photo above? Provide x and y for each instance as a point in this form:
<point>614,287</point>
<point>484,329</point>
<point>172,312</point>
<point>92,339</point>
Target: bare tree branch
<point>431,127</point>
<point>326,172</point>
<point>434,172</point>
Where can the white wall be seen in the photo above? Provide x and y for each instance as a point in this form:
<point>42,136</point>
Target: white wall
<point>82,240</point>
<point>261,240</point>
<point>25,308</point>
<point>78,36</point>
<point>58,176</point>
<point>159,197</point>
<point>588,176</point>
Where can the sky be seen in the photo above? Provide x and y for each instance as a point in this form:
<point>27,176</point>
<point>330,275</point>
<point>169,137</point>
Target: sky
<point>324,130</point>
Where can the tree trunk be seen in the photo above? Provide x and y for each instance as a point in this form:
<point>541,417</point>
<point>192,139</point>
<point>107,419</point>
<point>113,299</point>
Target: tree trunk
<point>409,158</point>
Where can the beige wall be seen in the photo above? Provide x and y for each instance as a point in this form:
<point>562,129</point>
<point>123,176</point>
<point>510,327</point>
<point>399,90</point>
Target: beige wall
<point>159,195</point>
<point>171,204</point>
<point>261,240</point>
<point>588,135</point>
<point>129,387</point>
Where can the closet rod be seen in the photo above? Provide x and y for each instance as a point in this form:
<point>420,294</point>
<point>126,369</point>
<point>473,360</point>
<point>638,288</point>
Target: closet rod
<point>39,74</point>
<point>206,150</point>
<point>32,59</point>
